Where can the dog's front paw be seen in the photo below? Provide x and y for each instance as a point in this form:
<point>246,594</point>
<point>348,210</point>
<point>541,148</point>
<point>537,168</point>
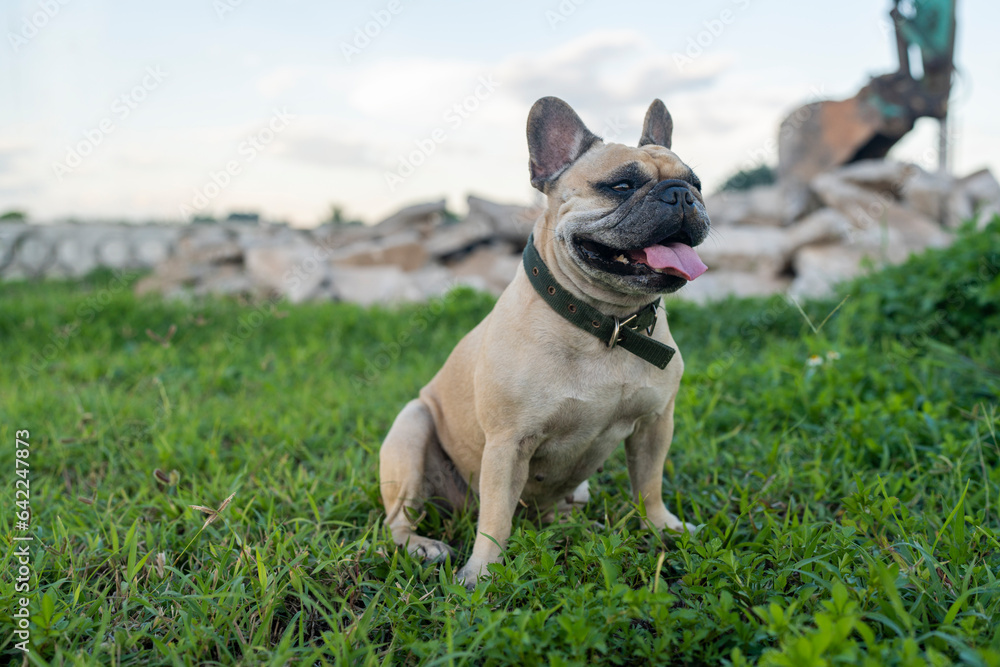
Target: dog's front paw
<point>469,575</point>
<point>661,519</point>
<point>432,551</point>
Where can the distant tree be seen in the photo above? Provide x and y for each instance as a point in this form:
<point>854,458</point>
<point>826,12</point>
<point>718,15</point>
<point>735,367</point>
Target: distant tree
<point>14,216</point>
<point>338,218</point>
<point>745,179</point>
<point>336,215</point>
<point>244,218</point>
<point>203,220</point>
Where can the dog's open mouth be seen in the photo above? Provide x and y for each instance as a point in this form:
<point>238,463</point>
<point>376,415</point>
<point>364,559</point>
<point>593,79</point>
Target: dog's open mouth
<point>672,256</point>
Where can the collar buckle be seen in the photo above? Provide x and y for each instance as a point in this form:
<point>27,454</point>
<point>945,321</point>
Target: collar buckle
<point>616,333</point>
<point>594,322</point>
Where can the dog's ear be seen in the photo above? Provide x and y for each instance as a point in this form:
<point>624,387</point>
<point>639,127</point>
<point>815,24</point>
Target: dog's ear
<point>556,138</point>
<point>658,126</point>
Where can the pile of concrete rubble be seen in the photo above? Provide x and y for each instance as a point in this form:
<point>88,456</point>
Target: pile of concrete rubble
<point>413,255</point>
<point>871,212</point>
<point>879,211</point>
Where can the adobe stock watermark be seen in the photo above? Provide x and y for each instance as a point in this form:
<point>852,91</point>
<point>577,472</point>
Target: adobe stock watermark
<point>248,324</point>
<point>32,25</point>
<point>454,117</point>
<point>225,7</point>
<point>86,313</point>
<point>121,108</point>
<point>762,155</point>
<point>955,300</point>
<point>713,29</point>
<point>364,34</point>
<point>246,152</point>
<point>388,353</point>
<point>751,332</point>
<point>612,129</point>
<point>562,12</point>
<point>21,561</point>
<point>875,210</point>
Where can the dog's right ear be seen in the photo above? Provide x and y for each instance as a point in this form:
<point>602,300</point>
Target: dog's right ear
<point>658,127</point>
<point>556,138</point>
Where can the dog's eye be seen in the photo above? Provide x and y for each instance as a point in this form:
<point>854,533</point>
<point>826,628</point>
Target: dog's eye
<point>624,186</point>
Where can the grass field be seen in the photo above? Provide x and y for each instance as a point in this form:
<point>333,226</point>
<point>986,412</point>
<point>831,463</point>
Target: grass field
<point>845,476</point>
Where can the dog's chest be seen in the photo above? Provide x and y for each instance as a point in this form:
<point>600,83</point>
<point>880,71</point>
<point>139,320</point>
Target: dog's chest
<point>584,427</point>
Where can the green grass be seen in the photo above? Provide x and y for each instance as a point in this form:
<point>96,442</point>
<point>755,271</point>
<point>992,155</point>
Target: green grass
<point>850,504</point>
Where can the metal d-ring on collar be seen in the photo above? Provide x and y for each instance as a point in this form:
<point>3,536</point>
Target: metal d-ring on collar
<point>615,338</point>
<point>610,329</point>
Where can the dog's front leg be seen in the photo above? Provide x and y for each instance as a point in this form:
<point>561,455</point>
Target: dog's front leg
<point>646,451</point>
<point>503,474</point>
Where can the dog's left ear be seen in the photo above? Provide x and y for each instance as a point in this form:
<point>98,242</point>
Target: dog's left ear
<point>556,138</point>
<point>658,126</point>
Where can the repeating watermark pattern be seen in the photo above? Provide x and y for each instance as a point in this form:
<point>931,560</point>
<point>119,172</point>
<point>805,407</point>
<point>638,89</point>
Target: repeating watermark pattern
<point>22,553</point>
<point>265,310</point>
<point>32,25</point>
<point>713,29</point>
<point>454,116</point>
<point>389,352</point>
<point>872,214</point>
<point>875,211</point>
<point>364,34</point>
<point>121,108</point>
<point>248,324</point>
<point>223,8</point>
<point>562,12</point>
<point>768,151</point>
<point>612,129</point>
<point>751,332</point>
<point>86,312</point>
<point>912,344</point>
<point>246,152</point>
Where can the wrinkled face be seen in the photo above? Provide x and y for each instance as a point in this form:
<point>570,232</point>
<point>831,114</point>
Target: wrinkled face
<point>621,218</point>
<point>628,218</point>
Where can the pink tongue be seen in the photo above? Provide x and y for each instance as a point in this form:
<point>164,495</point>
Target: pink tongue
<point>681,258</point>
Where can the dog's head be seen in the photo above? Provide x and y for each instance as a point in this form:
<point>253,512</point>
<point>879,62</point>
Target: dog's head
<point>620,219</point>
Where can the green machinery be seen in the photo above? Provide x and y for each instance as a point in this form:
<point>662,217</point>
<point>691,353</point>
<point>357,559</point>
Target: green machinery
<point>826,134</point>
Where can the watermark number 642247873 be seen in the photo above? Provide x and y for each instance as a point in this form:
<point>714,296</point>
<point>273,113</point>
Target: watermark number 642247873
<point>22,524</point>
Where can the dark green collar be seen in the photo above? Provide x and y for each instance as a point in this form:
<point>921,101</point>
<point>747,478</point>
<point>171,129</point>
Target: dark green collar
<point>623,333</point>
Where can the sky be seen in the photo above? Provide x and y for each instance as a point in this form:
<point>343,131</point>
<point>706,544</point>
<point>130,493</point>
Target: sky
<point>149,110</point>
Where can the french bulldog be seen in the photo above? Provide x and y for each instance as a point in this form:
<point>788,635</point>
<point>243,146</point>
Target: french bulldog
<point>530,404</point>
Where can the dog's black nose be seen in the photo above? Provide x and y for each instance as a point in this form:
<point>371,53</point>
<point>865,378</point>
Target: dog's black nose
<point>673,192</point>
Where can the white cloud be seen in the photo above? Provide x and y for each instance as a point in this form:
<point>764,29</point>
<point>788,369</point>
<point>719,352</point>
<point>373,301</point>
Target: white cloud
<point>357,121</point>
<point>604,71</point>
<point>411,91</point>
<point>378,112</point>
<point>326,149</point>
<point>279,80</point>
<point>406,99</point>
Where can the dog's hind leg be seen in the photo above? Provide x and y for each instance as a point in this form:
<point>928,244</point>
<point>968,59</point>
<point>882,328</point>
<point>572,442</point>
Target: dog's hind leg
<point>412,470</point>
